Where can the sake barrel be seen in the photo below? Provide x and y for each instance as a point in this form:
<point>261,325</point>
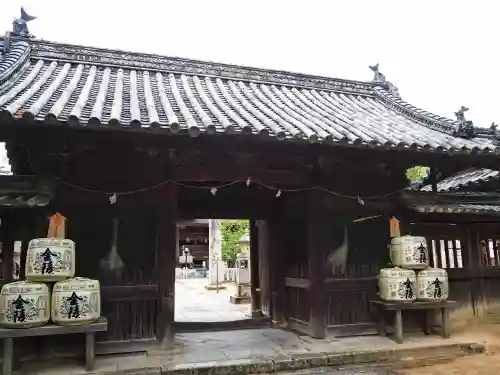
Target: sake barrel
<point>409,252</point>
<point>432,285</point>
<point>50,259</point>
<point>397,285</point>
<point>24,304</point>
<point>76,301</point>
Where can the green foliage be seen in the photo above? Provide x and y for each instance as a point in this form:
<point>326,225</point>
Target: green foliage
<point>5,171</point>
<point>232,231</point>
<point>417,173</point>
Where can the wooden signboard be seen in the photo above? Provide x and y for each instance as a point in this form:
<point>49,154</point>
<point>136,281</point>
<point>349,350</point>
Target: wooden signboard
<point>394,228</point>
<point>57,226</point>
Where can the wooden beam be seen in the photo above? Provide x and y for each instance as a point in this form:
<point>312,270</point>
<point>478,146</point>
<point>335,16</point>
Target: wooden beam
<point>231,173</point>
<point>20,131</point>
<point>215,165</point>
<point>230,210</point>
<point>25,185</point>
<point>295,282</point>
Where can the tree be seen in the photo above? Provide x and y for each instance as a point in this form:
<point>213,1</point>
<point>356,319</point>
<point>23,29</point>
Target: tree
<point>232,231</point>
<point>417,173</point>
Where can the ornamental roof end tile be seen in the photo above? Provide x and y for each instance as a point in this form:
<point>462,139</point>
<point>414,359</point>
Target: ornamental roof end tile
<point>93,87</point>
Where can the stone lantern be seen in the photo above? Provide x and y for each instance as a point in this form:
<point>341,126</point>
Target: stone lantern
<point>241,288</point>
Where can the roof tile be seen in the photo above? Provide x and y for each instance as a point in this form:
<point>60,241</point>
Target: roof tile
<point>459,208</point>
<point>465,180</point>
<point>92,87</point>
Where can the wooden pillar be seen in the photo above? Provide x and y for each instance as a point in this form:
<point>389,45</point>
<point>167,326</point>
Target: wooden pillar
<point>264,270</point>
<point>276,254</point>
<point>34,224</point>
<point>255,311</point>
<point>473,264</point>
<point>7,230</point>
<point>27,233</point>
<point>22,258</point>
<point>317,243</point>
<point>433,179</point>
<point>473,257</point>
<point>177,246</point>
<point>166,218</point>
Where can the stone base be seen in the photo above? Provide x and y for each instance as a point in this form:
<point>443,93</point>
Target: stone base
<point>276,324</point>
<point>240,291</point>
<point>214,287</point>
<point>239,300</point>
<point>255,313</point>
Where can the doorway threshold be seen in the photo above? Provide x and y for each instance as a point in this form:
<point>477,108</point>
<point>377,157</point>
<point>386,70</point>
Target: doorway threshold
<point>222,326</point>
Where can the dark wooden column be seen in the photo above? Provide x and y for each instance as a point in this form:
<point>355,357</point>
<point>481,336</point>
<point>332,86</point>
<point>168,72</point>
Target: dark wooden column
<point>264,270</point>
<point>255,311</point>
<point>473,256</point>
<point>27,233</point>
<point>7,232</point>
<point>317,247</point>
<point>177,248</point>
<point>166,218</point>
<point>473,264</point>
<point>275,243</point>
<point>433,179</point>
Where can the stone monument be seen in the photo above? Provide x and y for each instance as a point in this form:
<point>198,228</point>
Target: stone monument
<point>241,288</point>
<point>216,265</point>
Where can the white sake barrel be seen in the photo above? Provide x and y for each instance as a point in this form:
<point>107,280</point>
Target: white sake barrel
<point>50,259</point>
<point>76,301</point>
<point>432,285</point>
<point>409,252</point>
<point>397,285</point>
<point>24,304</point>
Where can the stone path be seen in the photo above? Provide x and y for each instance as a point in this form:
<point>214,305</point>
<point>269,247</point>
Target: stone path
<point>264,345</point>
<point>193,303</point>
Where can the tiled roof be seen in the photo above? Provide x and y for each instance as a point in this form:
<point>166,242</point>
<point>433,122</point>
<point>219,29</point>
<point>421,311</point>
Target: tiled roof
<point>99,88</point>
<point>459,208</point>
<point>24,200</point>
<point>465,180</point>
<point>24,191</point>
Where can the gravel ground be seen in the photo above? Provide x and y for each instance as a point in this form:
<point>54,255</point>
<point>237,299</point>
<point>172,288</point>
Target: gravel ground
<point>483,364</point>
<point>354,370</point>
<point>478,364</point>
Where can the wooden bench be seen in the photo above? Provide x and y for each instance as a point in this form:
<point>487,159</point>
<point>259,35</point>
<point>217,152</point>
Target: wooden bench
<point>9,334</point>
<point>382,307</point>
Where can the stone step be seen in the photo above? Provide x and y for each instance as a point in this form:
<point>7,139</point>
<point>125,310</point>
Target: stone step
<point>390,359</point>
